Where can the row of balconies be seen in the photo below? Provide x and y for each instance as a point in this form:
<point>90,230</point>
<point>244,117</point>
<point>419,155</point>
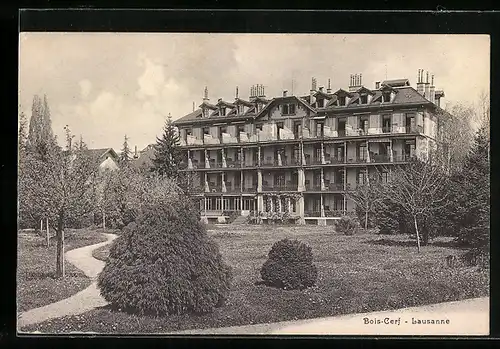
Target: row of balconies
<point>308,160</point>
<point>227,187</point>
<point>260,136</point>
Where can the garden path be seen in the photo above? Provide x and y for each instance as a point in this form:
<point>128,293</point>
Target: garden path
<point>82,301</point>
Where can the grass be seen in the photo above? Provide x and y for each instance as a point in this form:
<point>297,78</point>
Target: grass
<point>356,274</point>
<point>36,282</point>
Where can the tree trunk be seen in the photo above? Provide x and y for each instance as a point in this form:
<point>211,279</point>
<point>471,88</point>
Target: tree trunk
<point>416,230</point>
<point>60,249</point>
<point>103,220</point>
<point>47,233</point>
<point>366,220</point>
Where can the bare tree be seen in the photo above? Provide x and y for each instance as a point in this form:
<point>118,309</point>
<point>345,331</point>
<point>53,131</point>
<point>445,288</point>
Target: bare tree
<point>419,188</point>
<point>366,197</point>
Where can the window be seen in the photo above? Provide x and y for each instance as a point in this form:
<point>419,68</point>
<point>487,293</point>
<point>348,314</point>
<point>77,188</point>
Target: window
<point>288,109</point>
<point>341,127</point>
<point>279,126</point>
<point>320,103</point>
<point>361,177</point>
<point>362,151</point>
<point>297,129</point>
<point>206,130</point>
<point>341,100</point>
<point>364,99</point>
<point>386,123</point>
<point>320,128</point>
<point>241,128</point>
<point>222,111</point>
<point>258,127</point>
<point>223,129</point>
<point>364,124</point>
<point>296,154</point>
<point>279,180</point>
<point>386,97</point>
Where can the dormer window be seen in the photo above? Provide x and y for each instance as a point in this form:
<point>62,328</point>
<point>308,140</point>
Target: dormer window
<point>320,103</point>
<point>258,127</point>
<point>386,97</point>
<point>288,109</point>
<point>363,99</point>
<point>222,111</point>
<point>341,101</point>
<point>206,130</point>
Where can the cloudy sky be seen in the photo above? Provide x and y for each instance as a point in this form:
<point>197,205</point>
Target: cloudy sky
<point>106,85</point>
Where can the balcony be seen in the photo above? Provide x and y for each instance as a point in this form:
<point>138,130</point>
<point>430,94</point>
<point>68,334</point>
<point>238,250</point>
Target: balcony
<point>312,213</point>
<point>380,158</point>
<point>313,187</point>
<point>335,187</point>
<point>215,164</point>
<point>283,187</point>
<point>341,133</point>
<point>334,160</point>
<point>403,158</point>
<point>312,160</point>
<point>251,164</point>
<point>233,164</point>
<point>334,213</point>
<point>252,189</point>
<point>231,189</point>
<point>414,129</point>
<point>356,160</point>
<point>386,129</point>
<point>268,161</point>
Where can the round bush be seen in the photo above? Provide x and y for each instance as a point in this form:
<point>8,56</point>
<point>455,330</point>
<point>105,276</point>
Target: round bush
<point>347,225</point>
<point>289,266</point>
<point>165,263</point>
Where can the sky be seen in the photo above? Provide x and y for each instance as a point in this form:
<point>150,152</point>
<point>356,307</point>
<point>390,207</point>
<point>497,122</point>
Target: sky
<point>108,85</point>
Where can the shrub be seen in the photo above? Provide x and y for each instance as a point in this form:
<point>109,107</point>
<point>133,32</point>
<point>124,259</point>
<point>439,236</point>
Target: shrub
<point>165,263</point>
<point>289,266</point>
<point>348,225</point>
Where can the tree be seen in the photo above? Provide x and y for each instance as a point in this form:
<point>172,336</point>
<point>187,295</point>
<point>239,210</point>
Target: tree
<point>366,197</point>
<point>41,139</point>
<point>419,188</point>
<point>470,209</point>
<point>167,156</point>
<point>125,155</point>
<point>22,132</point>
<point>60,186</point>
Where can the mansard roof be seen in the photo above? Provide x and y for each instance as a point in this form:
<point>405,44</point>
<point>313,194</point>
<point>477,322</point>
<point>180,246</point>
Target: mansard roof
<point>363,89</point>
<point>243,102</point>
<point>277,100</point>
<point>207,105</point>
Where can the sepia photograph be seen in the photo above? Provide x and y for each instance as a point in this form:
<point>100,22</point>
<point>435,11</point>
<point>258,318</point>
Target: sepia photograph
<point>253,184</point>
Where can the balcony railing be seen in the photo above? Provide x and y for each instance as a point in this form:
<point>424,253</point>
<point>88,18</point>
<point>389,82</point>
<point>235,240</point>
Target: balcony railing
<point>313,161</point>
<point>334,213</point>
<point>341,133</point>
<point>233,163</point>
<point>284,187</point>
<point>335,187</point>
<point>414,129</point>
<point>252,189</point>
<point>269,162</point>
<point>356,160</point>
<point>313,187</point>
<point>386,129</point>
<point>235,189</point>
<point>312,213</point>
<point>380,158</point>
<point>334,160</point>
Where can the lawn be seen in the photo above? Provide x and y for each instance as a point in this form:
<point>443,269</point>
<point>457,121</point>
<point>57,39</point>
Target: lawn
<point>358,273</point>
<point>36,284</point>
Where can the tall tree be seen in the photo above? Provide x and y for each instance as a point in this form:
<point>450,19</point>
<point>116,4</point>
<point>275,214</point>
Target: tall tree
<point>126,154</point>
<point>40,136</point>
<point>61,187</point>
<point>22,132</point>
<point>419,189</point>
<point>167,157</point>
<point>470,212</point>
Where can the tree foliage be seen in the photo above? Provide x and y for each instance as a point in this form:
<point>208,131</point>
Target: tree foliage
<point>126,153</point>
<point>167,157</point>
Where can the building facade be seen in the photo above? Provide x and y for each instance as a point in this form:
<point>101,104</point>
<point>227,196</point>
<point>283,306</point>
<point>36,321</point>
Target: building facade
<point>301,154</point>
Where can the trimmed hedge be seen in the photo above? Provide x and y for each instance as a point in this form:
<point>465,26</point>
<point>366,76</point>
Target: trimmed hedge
<point>347,225</point>
<point>289,266</point>
<point>165,263</point>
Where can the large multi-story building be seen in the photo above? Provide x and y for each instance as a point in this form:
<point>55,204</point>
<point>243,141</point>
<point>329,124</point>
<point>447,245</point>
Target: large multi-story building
<point>301,154</point>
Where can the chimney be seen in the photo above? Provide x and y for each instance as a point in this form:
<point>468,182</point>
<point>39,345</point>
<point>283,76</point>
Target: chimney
<point>205,94</point>
<point>285,93</point>
<point>236,93</point>
<point>135,153</point>
<point>329,87</point>
<point>312,100</point>
<point>321,89</point>
<point>252,92</point>
<point>377,85</point>
<point>432,90</point>
<point>355,82</point>
<point>420,82</point>
<point>360,80</point>
<point>427,92</point>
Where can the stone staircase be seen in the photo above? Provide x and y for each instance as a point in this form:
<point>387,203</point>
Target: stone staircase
<point>240,220</point>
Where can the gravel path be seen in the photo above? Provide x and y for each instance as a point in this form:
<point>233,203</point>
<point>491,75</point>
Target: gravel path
<point>79,303</point>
